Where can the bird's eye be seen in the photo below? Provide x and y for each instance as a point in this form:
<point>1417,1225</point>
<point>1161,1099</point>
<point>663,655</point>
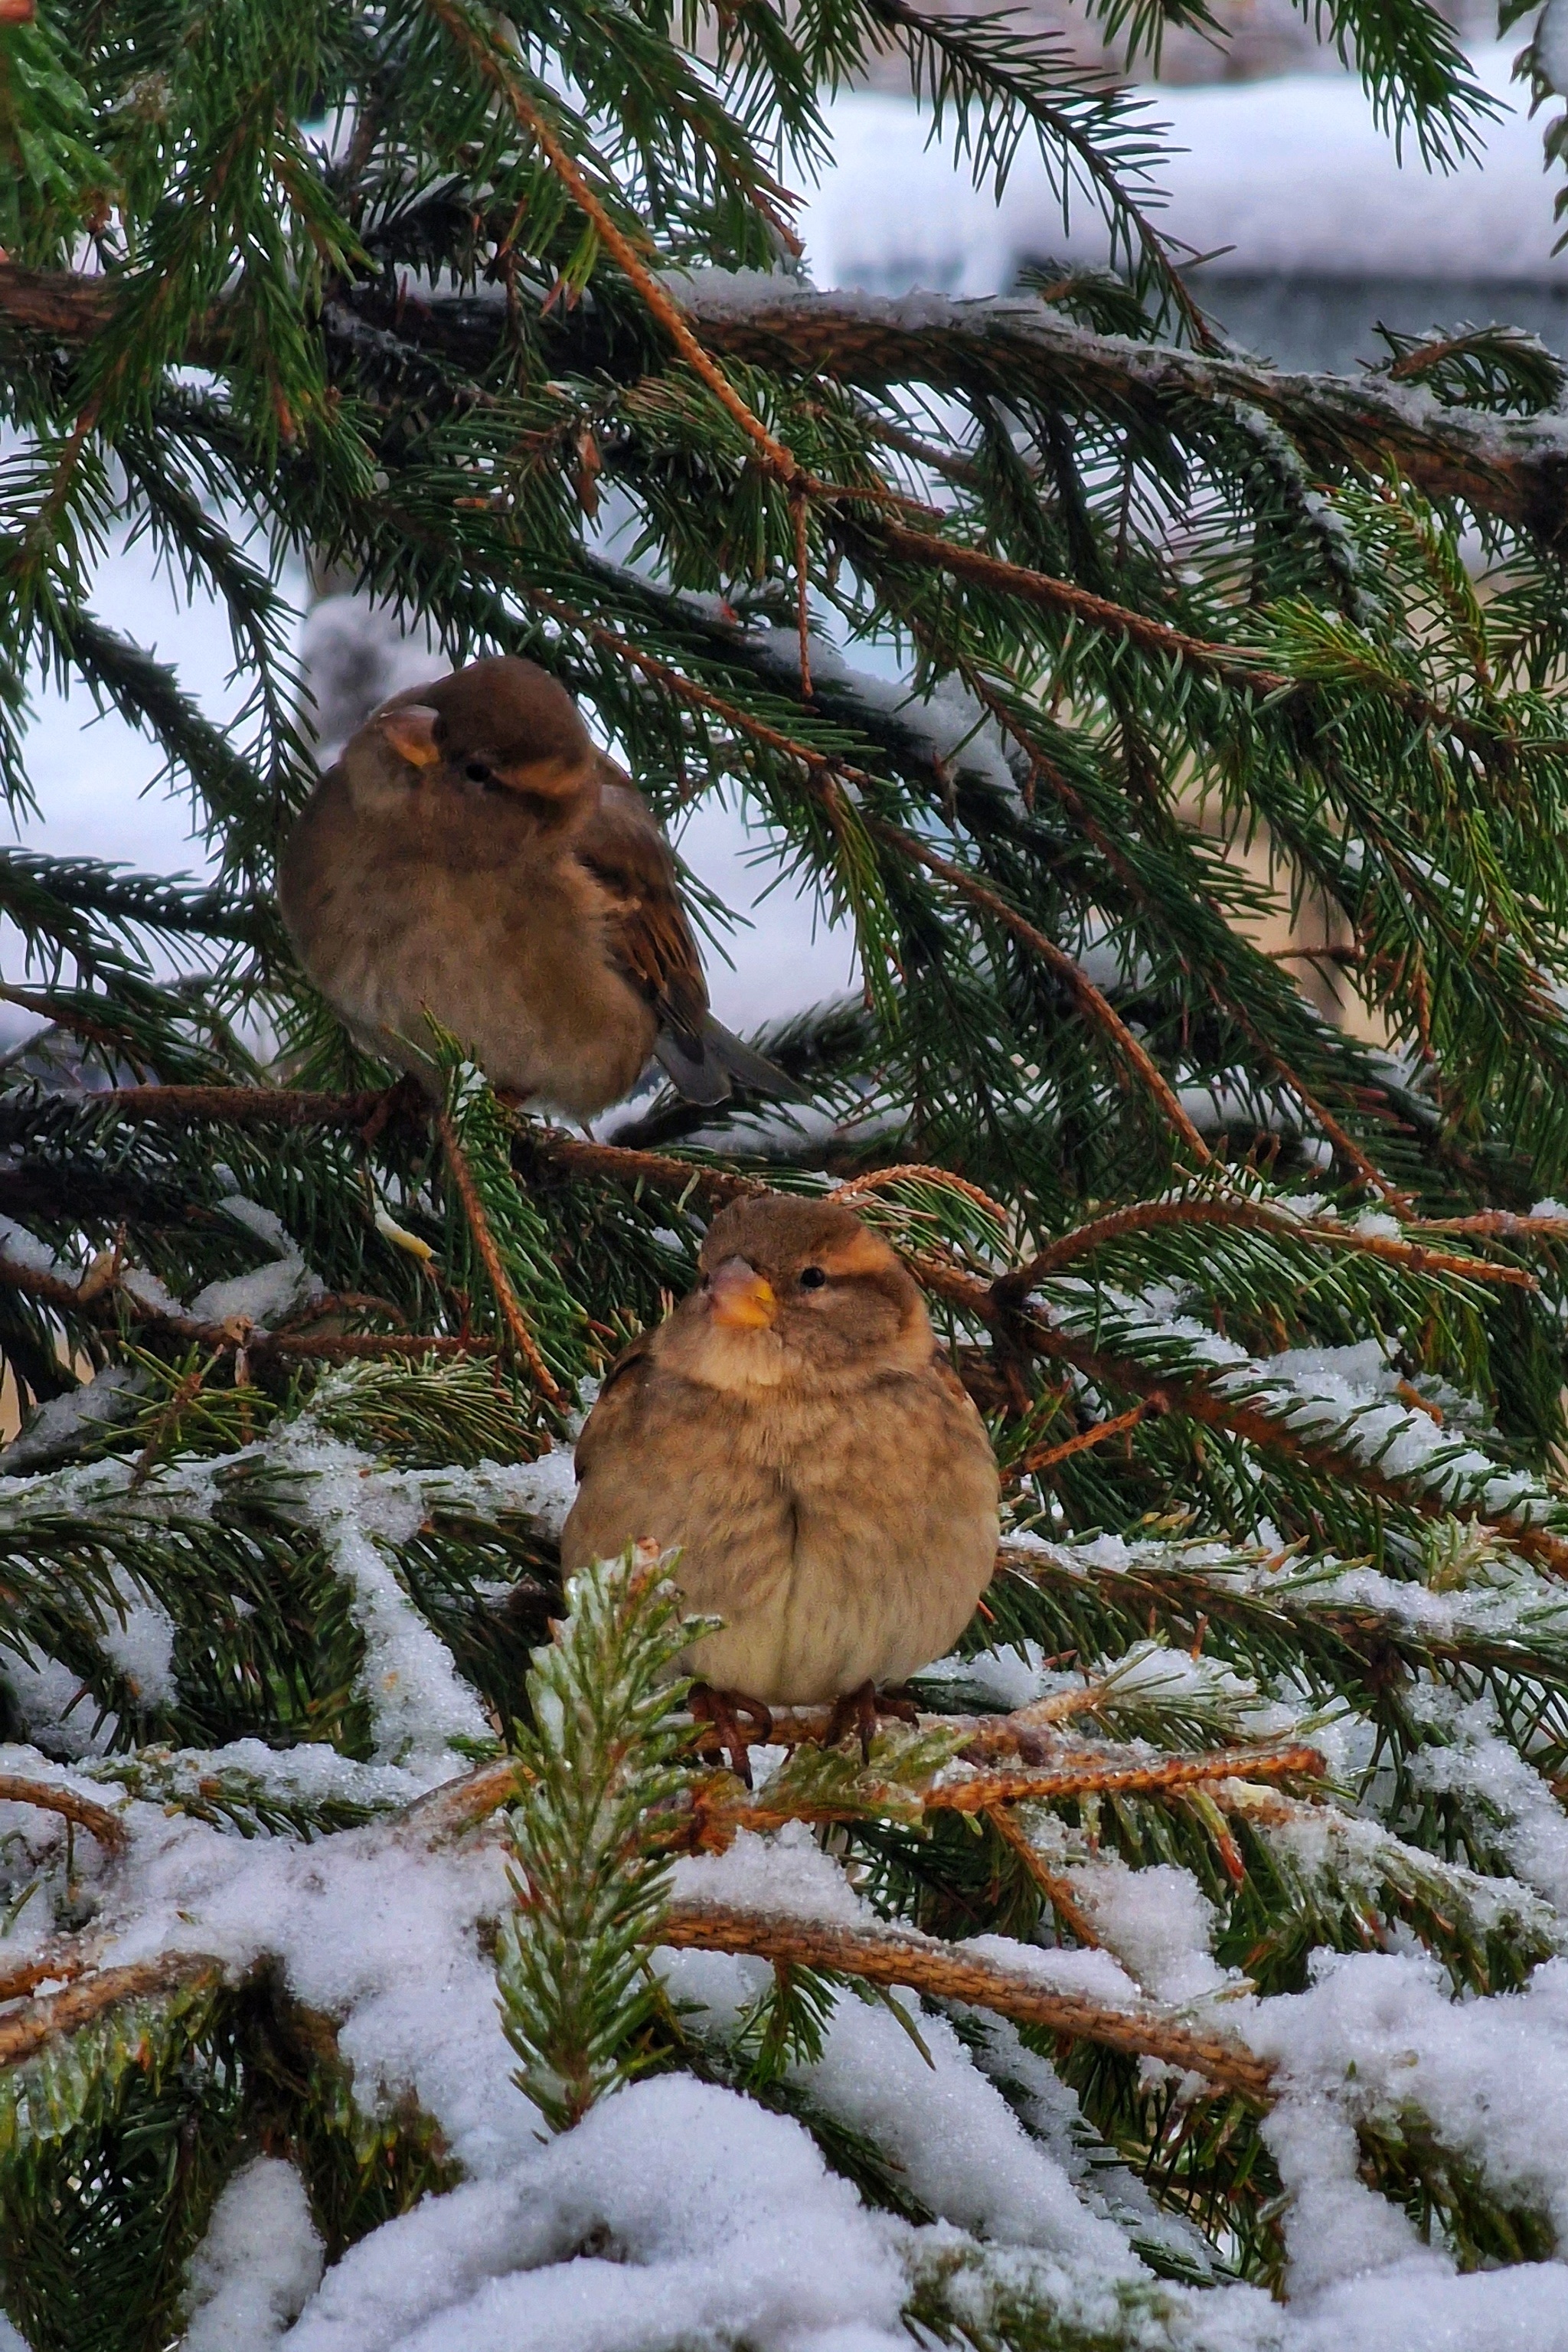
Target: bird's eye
<point>812,1277</point>
<point>478,773</point>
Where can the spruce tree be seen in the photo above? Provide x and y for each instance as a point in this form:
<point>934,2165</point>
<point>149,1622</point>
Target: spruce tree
<point>1204,1937</point>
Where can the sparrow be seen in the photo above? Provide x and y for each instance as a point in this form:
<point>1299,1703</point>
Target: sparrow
<point>473,855</point>
<point>792,1429</point>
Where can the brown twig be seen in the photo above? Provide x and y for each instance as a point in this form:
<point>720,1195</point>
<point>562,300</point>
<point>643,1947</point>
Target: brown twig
<point>97,1819</point>
<point>237,1106</point>
<point>1237,666</point>
<point>1198,1401</point>
<point>1089,1772</point>
<point>944,1972</point>
<point>778,460</point>
<point>1048,1457</point>
<point>1056,1889</point>
<point>1146,1216</point>
<point>444,1813</point>
<point>58,1963</point>
<point>495,1268</point>
<point>1099,1008</point>
<point>878,1179</point>
<point>26,2030</point>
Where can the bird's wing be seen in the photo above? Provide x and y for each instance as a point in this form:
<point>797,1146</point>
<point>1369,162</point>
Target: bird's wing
<point>616,1403</point>
<point>649,934</point>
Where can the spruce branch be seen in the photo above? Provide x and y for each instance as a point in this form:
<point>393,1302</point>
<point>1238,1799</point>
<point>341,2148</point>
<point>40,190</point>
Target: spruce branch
<point>1233,1209</point>
<point>825,1785</point>
<point>494,63</point>
<point>17,1789</point>
<point>945,1972</point>
<point>589,1883</point>
<point>55,2016</point>
<point>1054,1885</point>
<point>490,1257</point>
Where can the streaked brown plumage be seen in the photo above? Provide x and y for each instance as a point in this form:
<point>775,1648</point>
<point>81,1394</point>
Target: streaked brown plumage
<point>827,1477</point>
<point>473,855</point>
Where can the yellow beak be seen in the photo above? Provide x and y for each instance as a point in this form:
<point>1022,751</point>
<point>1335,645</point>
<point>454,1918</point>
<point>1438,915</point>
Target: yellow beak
<point>740,1297</point>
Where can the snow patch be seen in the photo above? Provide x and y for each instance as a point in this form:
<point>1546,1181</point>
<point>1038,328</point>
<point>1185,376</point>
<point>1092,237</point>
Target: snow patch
<point>258,2264</point>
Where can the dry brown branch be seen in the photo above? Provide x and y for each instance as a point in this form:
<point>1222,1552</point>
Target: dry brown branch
<point>57,1963</point>
<point>1056,1889</point>
<point>778,460</point>
<point>1099,1008</point>
<point>1048,1457</point>
<point>945,1972</point>
<point>26,2029</point>
<point>97,1819</point>
<point>478,1223</point>
<point>1089,1772</point>
<point>1145,1216</point>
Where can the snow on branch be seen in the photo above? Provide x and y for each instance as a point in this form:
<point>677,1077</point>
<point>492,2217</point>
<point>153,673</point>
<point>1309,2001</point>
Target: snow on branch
<point>1513,468</point>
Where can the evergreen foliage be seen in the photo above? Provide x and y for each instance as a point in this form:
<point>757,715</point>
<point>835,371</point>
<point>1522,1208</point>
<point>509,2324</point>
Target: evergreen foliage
<point>1265,1718</point>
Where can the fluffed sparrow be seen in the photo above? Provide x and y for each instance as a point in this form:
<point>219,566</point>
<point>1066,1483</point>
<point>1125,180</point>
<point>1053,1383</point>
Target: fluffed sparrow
<point>793,1428</point>
<point>474,855</point>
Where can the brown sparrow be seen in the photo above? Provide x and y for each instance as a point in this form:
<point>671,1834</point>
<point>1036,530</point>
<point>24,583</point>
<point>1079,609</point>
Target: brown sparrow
<point>793,1429</point>
<point>473,855</point>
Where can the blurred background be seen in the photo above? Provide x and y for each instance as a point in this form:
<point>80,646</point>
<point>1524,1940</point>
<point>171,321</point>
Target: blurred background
<point>1314,231</point>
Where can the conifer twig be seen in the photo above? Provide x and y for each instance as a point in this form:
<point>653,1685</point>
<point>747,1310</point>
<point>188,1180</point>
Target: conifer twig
<point>1199,1402</point>
<point>779,461</point>
<point>26,2030</point>
<point>484,1242</point>
<point>1097,1006</point>
<point>1234,1210</point>
<point>946,1972</point>
<point>1049,1457</point>
<point>98,1822</point>
<point>1086,1773</point>
<point>1054,1885</point>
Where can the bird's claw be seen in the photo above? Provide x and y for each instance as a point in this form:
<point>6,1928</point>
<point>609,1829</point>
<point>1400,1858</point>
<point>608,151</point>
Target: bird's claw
<point>405,1098</point>
<point>855,1711</point>
<point>721,1712</point>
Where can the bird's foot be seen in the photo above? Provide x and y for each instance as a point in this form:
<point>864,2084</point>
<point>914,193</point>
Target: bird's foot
<point>855,1711</point>
<point>861,1711</point>
<point>406,1098</point>
<point>720,1711</point>
<point>898,1704</point>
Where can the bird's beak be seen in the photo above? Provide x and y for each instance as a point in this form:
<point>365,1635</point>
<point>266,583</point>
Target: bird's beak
<point>740,1297</point>
<point>411,731</point>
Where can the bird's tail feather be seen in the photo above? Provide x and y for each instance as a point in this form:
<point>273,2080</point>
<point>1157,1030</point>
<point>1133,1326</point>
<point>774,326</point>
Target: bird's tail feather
<point>707,1069</point>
